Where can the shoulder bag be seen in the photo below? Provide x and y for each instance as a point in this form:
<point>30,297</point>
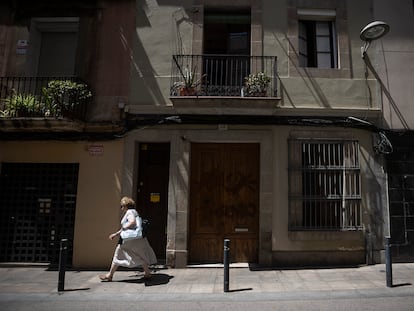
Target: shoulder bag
<point>135,233</point>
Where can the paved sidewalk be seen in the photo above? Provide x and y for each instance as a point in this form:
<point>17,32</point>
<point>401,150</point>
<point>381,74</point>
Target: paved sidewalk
<point>197,280</point>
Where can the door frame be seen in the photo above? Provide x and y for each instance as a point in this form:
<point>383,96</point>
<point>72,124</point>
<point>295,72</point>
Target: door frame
<point>154,194</point>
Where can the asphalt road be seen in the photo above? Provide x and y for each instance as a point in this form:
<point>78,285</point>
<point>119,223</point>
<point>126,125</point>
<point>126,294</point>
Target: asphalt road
<point>335,301</point>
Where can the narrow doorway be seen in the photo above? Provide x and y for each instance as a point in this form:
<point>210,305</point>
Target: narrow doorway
<point>152,192</point>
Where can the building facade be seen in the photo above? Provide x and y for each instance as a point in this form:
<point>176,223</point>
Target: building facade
<point>254,121</point>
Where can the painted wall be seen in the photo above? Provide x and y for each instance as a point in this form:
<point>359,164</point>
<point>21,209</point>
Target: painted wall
<point>285,243</point>
<point>164,30</point>
<point>394,61</point>
<point>98,193</point>
<point>277,243</point>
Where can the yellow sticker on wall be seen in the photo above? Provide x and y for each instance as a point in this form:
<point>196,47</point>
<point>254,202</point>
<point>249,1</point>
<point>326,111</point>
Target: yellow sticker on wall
<point>155,198</point>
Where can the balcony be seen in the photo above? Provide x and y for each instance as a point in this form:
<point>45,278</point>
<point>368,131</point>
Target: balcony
<point>43,98</point>
<point>225,76</point>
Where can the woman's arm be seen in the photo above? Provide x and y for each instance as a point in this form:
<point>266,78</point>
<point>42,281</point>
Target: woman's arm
<point>113,235</point>
<point>131,221</point>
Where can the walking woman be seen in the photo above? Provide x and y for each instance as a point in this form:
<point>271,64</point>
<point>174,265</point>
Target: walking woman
<point>130,253</point>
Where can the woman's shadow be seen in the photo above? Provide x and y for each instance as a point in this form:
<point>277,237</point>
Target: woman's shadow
<point>155,279</point>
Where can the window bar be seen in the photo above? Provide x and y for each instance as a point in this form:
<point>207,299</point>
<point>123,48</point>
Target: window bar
<point>221,76</point>
<point>345,185</point>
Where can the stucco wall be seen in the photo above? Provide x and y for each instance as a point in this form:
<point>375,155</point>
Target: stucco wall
<point>98,193</point>
<point>275,238</point>
<point>394,61</point>
<point>164,30</point>
<point>373,192</point>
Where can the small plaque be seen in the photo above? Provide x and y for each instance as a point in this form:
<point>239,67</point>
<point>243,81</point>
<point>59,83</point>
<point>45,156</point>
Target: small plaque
<point>155,198</point>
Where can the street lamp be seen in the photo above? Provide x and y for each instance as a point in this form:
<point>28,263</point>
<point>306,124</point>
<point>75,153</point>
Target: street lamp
<point>374,31</point>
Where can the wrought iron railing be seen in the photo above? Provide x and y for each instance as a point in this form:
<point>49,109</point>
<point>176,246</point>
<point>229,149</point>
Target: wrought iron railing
<point>224,75</point>
<point>48,97</point>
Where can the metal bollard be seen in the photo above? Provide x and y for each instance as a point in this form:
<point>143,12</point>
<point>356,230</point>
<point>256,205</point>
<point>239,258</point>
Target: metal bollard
<point>226,262</point>
<point>62,264</point>
<point>388,261</point>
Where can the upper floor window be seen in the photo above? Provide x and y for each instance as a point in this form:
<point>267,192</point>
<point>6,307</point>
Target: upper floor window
<point>318,34</point>
<point>317,38</point>
<point>53,46</point>
<point>317,44</point>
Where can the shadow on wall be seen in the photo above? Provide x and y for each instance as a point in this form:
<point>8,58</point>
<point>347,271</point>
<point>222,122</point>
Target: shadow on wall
<point>385,90</point>
<point>144,85</point>
<point>309,81</point>
<point>373,212</point>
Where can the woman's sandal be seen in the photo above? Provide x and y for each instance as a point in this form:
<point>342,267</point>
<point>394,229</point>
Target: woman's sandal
<point>105,278</point>
<point>147,276</point>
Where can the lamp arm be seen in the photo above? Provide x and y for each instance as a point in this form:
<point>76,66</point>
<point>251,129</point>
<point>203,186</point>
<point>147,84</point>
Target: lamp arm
<point>365,48</point>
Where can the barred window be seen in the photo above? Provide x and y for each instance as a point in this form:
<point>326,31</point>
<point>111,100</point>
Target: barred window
<point>324,185</point>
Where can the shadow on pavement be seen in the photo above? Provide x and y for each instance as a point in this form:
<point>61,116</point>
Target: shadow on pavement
<point>75,289</point>
<point>156,279</point>
<point>240,290</point>
<point>402,284</point>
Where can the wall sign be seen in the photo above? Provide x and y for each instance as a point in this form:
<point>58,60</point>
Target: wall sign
<point>155,197</point>
<point>96,150</point>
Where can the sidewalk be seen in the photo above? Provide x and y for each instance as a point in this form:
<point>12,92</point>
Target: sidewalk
<point>197,280</point>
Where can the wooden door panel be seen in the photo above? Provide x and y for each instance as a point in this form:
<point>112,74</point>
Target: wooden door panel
<point>244,250</point>
<point>240,189</point>
<point>206,249</point>
<point>205,192</point>
<point>224,201</point>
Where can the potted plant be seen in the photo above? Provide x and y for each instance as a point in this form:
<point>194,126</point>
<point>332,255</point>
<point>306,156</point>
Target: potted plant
<point>188,85</point>
<point>21,105</point>
<point>61,97</point>
<point>256,84</point>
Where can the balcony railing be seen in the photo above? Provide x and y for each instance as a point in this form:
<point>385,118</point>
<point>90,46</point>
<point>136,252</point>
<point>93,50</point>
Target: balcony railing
<point>43,97</point>
<point>223,75</point>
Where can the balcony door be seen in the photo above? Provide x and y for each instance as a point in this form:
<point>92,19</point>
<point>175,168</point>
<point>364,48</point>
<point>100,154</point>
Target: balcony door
<point>53,47</point>
<point>226,50</point>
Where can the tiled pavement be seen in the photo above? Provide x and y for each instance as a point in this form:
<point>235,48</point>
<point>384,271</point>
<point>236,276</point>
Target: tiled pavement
<point>207,280</point>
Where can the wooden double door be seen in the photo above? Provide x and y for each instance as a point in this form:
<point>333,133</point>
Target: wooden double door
<point>224,202</point>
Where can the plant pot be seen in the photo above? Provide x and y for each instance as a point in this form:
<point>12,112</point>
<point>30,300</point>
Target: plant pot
<point>257,94</point>
<point>188,91</point>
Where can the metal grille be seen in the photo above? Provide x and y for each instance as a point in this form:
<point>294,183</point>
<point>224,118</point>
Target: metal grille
<point>400,167</point>
<point>37,210</point>
<point>324,185</point>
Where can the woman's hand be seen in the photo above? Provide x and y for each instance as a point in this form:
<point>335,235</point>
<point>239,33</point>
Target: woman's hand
<point>114,235</point>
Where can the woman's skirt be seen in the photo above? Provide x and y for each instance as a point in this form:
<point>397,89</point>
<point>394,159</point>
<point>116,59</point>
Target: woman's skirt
<point>134,253</point>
